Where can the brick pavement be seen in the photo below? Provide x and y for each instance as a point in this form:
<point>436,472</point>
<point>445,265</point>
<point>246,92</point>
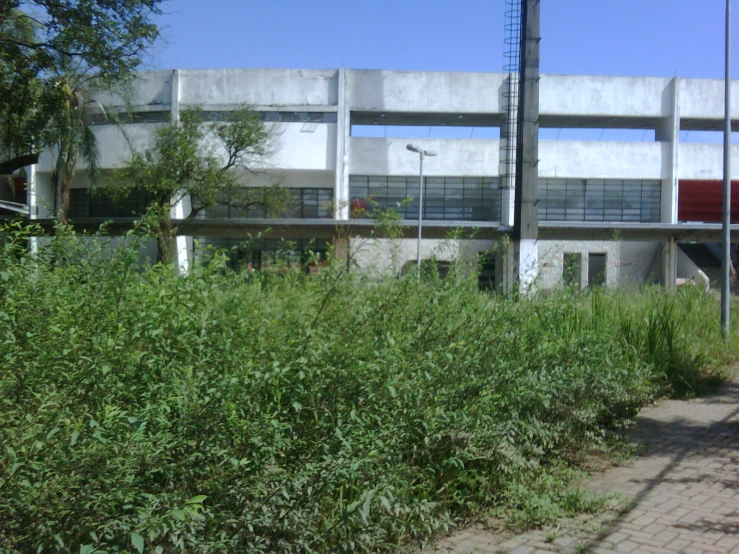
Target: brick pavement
<point>679,494</point>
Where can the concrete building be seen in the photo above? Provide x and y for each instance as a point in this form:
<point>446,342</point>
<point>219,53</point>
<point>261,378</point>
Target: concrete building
<point>610,211</point>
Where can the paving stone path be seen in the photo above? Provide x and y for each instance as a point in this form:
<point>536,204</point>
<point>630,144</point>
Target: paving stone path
<point>679,494</point>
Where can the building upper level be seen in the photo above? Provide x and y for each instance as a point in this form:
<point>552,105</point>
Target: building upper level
<point>433,98</point>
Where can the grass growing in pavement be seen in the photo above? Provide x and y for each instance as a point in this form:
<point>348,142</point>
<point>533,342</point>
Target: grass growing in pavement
<point>281,412</point>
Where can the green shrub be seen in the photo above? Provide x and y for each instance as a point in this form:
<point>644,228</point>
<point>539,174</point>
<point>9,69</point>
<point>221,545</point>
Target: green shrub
<point>281,412</point>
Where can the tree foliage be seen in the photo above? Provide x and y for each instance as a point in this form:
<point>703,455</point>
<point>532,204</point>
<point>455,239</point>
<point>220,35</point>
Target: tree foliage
<point>105,41</point>
<point>205,162</point>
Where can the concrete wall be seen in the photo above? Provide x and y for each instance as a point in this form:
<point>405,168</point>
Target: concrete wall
<point>640,262</point>
<point>381,256</point>
<point>612,160</point>
<point>213,88</point>
<point>308,146</point>
<point>290,179</point>
<point>423,91</point>
<point>389,156</point>
<point>602,96</point>
<point>115,143</point>
<point>551,260</point>
<point>704,161</point>
<point>152,90</point>
<point>704,98</point>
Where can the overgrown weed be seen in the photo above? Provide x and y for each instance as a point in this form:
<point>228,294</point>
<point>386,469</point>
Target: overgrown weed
<point>280,412</point>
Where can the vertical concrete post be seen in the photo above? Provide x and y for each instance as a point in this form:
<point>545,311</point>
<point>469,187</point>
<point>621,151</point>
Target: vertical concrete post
<point>343,133</point>
<point>526,227</point>
<point>31,187</point>
<point>668,132</point>
<point>183,244</point>
<point>669,264</point>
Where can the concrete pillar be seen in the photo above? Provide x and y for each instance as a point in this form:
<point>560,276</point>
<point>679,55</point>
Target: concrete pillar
<point>31,188</point>
<point>343,134</point>
<point>526,228</point>
<point>668,132</point>
<point>183,244</point>
<point>669,264</point>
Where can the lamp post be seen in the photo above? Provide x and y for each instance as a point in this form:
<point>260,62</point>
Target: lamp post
<point>421,154</point>
<point>726,216</point>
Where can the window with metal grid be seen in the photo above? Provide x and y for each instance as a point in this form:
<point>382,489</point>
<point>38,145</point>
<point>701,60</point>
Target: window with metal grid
<point>304,203</point>
<point>445,198</point>
<point>87,203</point>
<point>609,200</point>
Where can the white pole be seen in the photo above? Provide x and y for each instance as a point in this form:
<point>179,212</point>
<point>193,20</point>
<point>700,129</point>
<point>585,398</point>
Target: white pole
<point>726,219</point>
<point>420,214</point>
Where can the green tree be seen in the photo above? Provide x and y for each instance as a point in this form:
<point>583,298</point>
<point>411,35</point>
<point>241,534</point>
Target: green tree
<point>103,40</point>
<point>70,134</point>
<point>205,162</point>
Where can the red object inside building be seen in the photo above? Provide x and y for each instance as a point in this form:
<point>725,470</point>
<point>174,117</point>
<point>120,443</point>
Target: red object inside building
<point>19,184</point>
<point>702,200</point>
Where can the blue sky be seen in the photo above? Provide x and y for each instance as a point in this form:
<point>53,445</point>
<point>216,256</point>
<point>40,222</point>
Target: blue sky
<point>597,37</point>
<point>619,37</point>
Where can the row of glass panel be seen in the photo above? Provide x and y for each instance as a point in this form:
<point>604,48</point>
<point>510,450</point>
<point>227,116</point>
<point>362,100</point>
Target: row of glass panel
<point>446,198</point>
<point>257,203</point>
<point>479,198</point>
<point>308,203</point>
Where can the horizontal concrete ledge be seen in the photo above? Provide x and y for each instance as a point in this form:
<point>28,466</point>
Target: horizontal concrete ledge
<point>485,230</point>
<point>681,232</point>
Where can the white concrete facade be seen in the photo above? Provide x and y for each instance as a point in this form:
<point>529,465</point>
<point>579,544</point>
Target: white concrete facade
<point>323,154</point>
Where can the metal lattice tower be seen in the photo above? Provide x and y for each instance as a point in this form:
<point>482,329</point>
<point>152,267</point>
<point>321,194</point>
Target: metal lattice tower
<point>511,67</point>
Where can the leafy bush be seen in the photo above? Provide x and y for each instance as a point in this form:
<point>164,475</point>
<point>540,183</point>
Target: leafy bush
<point>281,412</point>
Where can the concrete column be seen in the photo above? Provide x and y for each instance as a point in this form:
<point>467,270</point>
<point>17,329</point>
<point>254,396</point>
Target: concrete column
<point>343,133</point>
<point>181,209</point>
<point>669,264</point>
<point>31,187</point>
<point>668,133</point>
<point>526,228</point>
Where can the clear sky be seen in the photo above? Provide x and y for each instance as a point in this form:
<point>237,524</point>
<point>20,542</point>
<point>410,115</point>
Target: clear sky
<point>616,37</point>
<point>596,37</point>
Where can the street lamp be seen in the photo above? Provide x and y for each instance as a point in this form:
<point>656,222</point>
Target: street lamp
<point>421,154</point>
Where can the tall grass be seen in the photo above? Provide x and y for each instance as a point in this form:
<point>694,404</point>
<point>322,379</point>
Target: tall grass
<point>275,411</point>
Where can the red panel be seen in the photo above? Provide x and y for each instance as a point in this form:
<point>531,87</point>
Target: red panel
<point>701,201</point>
